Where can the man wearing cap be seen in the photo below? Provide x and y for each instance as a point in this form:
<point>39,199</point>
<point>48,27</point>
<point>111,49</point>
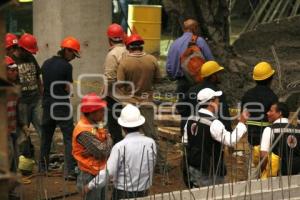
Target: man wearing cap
<point>58,78</point>
<point>29,107</point>
<point>137,74</point>
<point>205,136</point>
<point>258,101</point>
<point>131,162</point>
<point>116,52</point>
<point>11,44</point>
<point>210,73</point>
<point>91,144</point>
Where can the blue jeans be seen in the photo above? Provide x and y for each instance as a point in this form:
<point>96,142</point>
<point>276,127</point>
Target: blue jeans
<point>48,127</point>
<point>96,194</point>
<point>31,113</point>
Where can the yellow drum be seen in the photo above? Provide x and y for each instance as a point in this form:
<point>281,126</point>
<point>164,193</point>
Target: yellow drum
<point>145,20</point>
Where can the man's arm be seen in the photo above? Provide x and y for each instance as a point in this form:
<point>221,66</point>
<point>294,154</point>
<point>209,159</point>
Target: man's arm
<point>220,134</point>
<point>111,170</point>
<point>39,79</point>
<point>172,64</point>
<point>205,49</point>
<point>157,74</point>
<point>265,145</point>
<point>93,146</point>
<point>110,68</point>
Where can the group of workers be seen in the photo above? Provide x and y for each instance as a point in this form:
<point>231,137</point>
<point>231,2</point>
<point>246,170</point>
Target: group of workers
<point>207,126</point>
<point>126,151</point>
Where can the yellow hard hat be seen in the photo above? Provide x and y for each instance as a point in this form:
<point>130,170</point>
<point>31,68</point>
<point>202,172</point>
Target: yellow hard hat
<point>262,71</point>
<point>209,68</point>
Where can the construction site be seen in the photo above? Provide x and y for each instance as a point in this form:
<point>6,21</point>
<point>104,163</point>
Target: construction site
<point>239,36</point>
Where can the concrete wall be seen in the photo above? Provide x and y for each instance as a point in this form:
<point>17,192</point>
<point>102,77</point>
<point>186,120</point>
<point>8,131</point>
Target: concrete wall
<point>85,20</point>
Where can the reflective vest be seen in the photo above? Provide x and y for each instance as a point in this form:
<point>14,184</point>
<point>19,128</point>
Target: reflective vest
<point>87,164</point>
<point>288,147</point>
<point>203,151</point>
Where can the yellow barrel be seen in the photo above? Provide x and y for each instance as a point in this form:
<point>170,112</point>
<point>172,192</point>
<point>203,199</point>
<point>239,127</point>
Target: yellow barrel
<point>145,20</point>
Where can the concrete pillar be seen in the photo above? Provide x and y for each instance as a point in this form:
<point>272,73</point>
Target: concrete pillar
<point>85,20</point>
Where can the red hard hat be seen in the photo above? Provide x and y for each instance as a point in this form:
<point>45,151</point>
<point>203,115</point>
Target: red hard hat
<point>134,38</point>
<point>115,32</point>
<point>71,43</point>
<point>92,102</point>
<point>9,60</point>
<point>29,43</point>
<point>10,40</point>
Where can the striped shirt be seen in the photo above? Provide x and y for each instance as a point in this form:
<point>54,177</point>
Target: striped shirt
<point>12,113</point>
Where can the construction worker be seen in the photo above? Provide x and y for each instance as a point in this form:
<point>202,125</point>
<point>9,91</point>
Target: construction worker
<point>258,101</point>
<point>140,71</point>
<point>29,107</point>
<point>57,77</point>
<point>12,76</point>
<point>210,72</point>
<point>116,52</point>
<point>12,100</point>
<point>173,65</point>
<point>131,162</point>
<point>287,146</point>
<point>204,136</point>
<point>11,44</point>
<point>91,144</point>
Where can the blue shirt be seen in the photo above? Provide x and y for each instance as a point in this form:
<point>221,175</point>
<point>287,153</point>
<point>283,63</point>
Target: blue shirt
<point>176,50</point>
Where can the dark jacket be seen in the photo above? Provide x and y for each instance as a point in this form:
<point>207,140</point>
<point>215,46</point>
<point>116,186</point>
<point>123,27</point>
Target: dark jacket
<point>203,151</point>
<point>266,97</point>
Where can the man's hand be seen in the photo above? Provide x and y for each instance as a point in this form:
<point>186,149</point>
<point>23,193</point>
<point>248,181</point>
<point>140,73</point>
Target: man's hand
<point>244,116</point>
<point>26,130</point>
<point>86,189</point>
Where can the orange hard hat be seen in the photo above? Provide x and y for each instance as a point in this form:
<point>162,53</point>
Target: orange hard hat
<point>71,43</point>
<point>115,32</point>
<point>134,38</point>
<point>10,40</point>
<point>9,60</point>
<point>92,102</point>
<point>29,43</point>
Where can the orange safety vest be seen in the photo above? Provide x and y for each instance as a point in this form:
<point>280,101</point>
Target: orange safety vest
<point>87,164</point>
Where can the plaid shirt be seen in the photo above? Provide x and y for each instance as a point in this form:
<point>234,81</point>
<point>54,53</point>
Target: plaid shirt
<point>93,146</point>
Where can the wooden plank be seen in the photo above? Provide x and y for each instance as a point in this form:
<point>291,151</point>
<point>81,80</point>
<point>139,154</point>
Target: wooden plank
<point>168,120</point>
<point>170,133</point>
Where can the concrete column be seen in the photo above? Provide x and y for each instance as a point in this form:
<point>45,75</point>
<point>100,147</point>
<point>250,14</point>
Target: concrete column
<point>85,20</point>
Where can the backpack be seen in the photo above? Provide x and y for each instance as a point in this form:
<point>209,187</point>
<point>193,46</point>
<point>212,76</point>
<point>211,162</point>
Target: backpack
<point>192,60</point>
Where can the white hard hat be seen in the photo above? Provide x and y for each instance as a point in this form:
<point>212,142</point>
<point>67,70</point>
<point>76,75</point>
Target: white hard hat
<point>207,94</point>
<point>131,117</point>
